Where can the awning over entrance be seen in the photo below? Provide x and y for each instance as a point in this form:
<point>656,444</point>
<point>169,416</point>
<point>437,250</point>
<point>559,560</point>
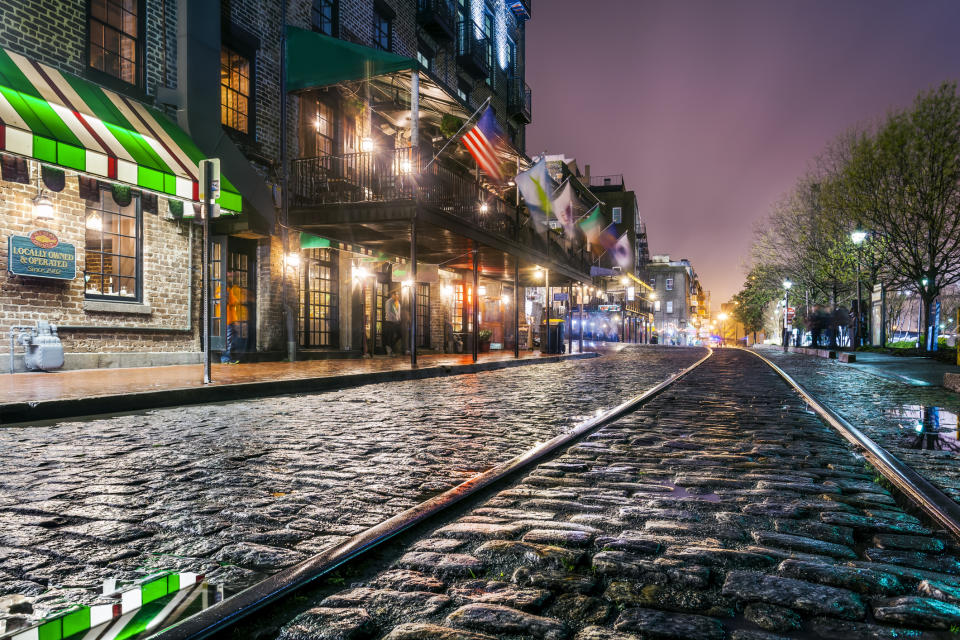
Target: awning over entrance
<point>316,60</point>
<point>60,119</point>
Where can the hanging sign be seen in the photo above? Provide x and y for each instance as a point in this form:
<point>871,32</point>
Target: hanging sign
<point>41,255</point>
<point>608,307</point>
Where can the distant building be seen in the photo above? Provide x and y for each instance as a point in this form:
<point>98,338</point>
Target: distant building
<point>679,307</point>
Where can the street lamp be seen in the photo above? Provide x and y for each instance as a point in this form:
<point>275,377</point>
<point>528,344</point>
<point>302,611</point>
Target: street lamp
<point>786,311</point>
<point>723,327</point>
<point>858,237</point>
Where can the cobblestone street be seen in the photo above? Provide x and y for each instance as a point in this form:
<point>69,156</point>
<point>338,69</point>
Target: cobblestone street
<point>889,412</point>
<point>721,509</point>
<point>239,490</point>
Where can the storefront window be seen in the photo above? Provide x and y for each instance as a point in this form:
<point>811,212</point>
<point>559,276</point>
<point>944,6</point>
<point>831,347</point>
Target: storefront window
<point>112,263</point>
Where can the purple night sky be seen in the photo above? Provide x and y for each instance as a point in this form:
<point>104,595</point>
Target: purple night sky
<point>712,109</point>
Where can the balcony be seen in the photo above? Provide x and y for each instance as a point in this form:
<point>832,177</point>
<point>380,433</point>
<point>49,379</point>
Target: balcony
<point>473,51</point>
<point>393,177</point>
<point>437,18</point>
<point>520,102</point>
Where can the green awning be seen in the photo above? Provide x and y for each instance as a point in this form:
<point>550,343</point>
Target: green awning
<point>316,60</point>
<point>61,119</point>
<point>310,241</point>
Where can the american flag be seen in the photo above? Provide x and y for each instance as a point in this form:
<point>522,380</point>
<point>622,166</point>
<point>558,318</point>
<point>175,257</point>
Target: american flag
<point>482,141</point>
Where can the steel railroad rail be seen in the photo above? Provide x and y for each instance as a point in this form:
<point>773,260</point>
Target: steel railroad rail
<point>234,609</point>
<point>936,504</point>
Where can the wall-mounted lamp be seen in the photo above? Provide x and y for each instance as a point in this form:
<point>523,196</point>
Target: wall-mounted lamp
<point>482,290</point>
<point>406,284</point>
<point>366,145</point>
<point>447,291</point>
<point>484,207</point>
<point>42,207</point>
<point>94,222</point>
<point>292,260</point>
<point>360,273</point>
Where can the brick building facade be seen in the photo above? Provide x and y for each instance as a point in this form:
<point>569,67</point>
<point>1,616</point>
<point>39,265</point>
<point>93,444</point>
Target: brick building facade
<point>163,54</point>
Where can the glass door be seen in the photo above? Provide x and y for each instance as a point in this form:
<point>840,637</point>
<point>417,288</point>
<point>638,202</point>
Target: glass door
<point>218,278</point>
<point>319,313</point>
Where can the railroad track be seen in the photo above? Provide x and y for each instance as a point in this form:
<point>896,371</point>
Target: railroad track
<point>222,617</point>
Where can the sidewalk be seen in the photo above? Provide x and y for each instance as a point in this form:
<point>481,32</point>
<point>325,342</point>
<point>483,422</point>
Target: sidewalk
<point>914,371</point>
<point>41,396</point>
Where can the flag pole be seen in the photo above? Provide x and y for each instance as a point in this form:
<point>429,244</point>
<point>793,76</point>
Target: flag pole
<point>454,136</point>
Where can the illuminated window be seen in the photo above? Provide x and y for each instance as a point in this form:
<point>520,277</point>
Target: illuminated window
<point>112,248</point>
<point>325,15</point>
<point>425,56</point>
<point>656,305</point>
<point>113,38</point>
<point>234,90</point>
<point>669,306</point>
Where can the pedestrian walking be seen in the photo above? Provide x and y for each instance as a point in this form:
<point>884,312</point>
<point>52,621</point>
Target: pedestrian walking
<point>236,319</point>
<point>391,323</point>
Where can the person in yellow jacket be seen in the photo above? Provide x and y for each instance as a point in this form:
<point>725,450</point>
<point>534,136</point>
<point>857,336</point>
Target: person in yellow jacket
<point>236,316</point>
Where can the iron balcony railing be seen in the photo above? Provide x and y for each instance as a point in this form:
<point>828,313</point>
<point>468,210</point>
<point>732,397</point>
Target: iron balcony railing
<point>398,175</point>
<point>438,18</point>
<point>473,50</point>
<point>520,101</point>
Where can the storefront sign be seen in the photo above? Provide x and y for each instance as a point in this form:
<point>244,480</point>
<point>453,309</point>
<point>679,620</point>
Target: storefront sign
<point>609,307</point>
<point>560,297</point>
<point>41,255</point>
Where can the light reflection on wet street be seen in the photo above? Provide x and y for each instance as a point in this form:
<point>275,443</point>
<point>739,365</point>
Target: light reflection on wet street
<point>238,491</point>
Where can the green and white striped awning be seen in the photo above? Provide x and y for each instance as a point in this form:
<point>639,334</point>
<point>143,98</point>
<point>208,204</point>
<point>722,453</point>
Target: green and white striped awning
<point>60,119</point>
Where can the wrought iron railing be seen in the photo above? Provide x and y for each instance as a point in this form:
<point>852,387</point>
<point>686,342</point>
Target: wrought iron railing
<point>474,51</point>
<point>399,175</point>
<point>438,18</point>
<point>520,100</point>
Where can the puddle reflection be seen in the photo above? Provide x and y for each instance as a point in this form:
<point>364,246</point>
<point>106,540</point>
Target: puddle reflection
<point>930,428</point>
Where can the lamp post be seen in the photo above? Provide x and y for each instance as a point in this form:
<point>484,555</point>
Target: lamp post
<point>723,328</point>
<point>920,310</point>
<point>858,237</point>
<point>786,312</point>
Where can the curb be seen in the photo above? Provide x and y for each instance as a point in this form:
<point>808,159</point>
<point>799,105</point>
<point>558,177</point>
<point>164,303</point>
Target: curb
<point>18,412</point>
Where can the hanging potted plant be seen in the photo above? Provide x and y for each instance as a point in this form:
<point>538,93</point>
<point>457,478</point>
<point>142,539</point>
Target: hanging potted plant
<point>483,340</point>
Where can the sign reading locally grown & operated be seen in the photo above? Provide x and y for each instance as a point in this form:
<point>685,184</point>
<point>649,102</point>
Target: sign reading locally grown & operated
<point>41,255</point>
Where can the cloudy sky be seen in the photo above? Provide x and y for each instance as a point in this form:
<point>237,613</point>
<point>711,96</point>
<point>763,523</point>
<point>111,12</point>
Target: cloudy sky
<point>711,109</point>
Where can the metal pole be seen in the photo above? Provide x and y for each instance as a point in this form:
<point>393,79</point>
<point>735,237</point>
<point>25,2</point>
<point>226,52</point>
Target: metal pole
<point>546,275</point>
<point>363,318</point>
<point>516,309</point>
<point>413,289</point>
<point>580,300</point>
<point>284,188</point>
<point>786,307</point>
<point>205,277</point>
<point>856,337</point>
<point>883,316</point>
<point>476,301</point>
<point>570,318</point>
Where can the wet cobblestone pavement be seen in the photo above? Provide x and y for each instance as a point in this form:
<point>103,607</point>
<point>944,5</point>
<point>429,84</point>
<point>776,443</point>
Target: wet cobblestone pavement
<point>721,509</point>
<point>916,424</point>
<point>237,491</point>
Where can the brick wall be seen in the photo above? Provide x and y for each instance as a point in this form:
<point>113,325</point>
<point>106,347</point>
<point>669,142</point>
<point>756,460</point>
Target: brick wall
<point>51,31</point>
<point>166,281</point>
